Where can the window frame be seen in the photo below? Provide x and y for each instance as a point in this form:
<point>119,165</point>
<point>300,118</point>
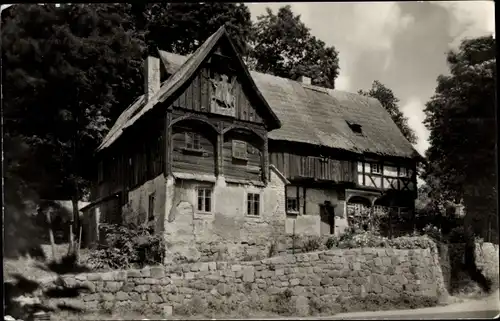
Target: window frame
<point>379,168</point>
<point>151,207</point>
<point>190,138</point>
<point>204,189</point>
<point>256,200</point>
<point>297,206</point>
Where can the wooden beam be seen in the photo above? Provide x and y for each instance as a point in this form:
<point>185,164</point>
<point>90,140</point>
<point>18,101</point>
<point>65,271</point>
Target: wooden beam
<point>363,163</point>
<point>167,144</point>
<point>265,153</point>
<point>220,146</point>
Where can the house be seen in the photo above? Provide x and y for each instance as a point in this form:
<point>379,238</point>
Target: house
<point>213,151</point>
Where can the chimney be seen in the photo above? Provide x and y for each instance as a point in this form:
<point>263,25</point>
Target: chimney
<point>305,80</point>
<point>151,76</point>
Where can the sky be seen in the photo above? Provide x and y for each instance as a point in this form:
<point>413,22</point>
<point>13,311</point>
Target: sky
<point>401,44</point>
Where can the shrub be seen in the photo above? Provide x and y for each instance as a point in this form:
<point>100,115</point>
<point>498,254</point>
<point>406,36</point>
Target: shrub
<point>127,247</point>
<point>311,244</point>
<point>283,303</point>
<point>332,242</point>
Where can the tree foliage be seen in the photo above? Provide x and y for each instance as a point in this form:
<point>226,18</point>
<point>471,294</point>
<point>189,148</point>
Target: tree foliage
<point>64,69</point>
<point>461,120</point>
<point>390,102</point>
<point>282,45</point>
<point>182,27</point>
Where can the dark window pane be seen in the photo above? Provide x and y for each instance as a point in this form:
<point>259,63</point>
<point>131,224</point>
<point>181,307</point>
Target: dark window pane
<point>207,204</point>
<point>200,203</point>
<point>256,208</point>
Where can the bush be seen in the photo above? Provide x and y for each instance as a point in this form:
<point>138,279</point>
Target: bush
<point>311,244</point>
<point>359,239</point>
<point>332,242</point>
<point>127,247</point>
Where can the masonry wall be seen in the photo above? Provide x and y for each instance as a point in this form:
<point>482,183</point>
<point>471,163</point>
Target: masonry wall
<point>455,275</point>
<point>228,229</point>
<point>321,275</point>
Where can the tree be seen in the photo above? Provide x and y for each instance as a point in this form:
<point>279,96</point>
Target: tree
<point>64,69</point>
<point>182,27</point>
<point>390,102</point>
<point>461,120</point>
<point>283,46</point>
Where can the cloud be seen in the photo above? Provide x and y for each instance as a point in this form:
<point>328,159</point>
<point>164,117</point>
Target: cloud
<point>343,82</point>
<point>470,18</point>
<point>413,109</point>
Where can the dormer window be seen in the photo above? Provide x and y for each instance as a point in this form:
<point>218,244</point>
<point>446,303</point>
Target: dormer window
<point>356,128</point>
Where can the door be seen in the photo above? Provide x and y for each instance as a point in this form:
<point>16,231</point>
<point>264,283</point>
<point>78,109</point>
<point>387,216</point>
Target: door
<point>327,214</point>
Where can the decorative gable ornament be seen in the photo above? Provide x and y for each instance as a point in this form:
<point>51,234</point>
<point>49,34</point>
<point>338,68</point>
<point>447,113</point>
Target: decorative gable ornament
<point>223,98</point>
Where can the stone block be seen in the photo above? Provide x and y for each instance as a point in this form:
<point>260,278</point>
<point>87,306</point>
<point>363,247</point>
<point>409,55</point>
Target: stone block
<point>377,261</point>
<point>248,274</point>
<point>91,297</point>
<point>142,288</point>
<point>189,275</point>
<point>94,277</point>
<point>157,272</point>
<point>108,276</point>
<point>112,286</point>
<point>107,297</point>
<point>167,311</point>
<point>236,268</point>
<point>133,274</point>
<point>134,296</point>
<point>151,281</point>
<point>122,296</point>
<point>153,298</point>
<point>81,277</point>
<point>212,266</point>
<point>146,272</point>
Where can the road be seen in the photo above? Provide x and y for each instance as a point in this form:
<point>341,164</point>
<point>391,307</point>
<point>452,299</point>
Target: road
<point>486,308</point>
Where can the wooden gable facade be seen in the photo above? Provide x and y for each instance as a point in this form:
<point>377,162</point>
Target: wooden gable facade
<point>214,124</point>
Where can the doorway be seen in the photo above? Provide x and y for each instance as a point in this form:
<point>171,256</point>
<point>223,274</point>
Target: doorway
<point>327,213</point>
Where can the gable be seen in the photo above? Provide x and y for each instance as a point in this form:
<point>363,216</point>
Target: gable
<point>219,88</point>
<point>178,82</point>
<point>216,78</point>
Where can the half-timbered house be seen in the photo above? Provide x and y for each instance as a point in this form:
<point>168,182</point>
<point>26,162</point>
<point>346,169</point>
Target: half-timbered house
<point>213,150</point>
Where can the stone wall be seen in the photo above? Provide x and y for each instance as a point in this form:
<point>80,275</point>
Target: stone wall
<point>456,278</point>
<point>327,276</point>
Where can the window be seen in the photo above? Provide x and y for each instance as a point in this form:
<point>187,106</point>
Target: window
<point>204,199</point>
<point>292,205</point>
<point>404,172</point>
<point>193,141</point>
<point>240,149</point>
<point>253,204</point>
<point>151,207</point>
<point>375,168</point>
<point>356,128</point>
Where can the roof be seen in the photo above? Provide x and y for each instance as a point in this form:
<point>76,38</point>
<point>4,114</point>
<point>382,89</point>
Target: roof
<point>320,116</point>
<point>177,79</point>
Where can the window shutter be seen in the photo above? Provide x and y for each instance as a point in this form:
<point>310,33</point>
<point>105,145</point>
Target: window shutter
<point>239,149</point>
